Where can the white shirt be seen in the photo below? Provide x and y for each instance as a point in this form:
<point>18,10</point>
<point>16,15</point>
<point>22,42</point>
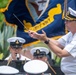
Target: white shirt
<point>22,58</point>
<point>68,64</point>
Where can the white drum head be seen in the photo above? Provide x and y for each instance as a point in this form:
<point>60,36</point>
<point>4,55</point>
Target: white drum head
<point>8,70</point>
<point>35,67</point>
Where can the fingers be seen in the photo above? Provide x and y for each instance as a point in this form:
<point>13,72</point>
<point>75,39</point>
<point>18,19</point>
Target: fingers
<point>43,32</point>
<point>36,35</point>
<point>32,34</point>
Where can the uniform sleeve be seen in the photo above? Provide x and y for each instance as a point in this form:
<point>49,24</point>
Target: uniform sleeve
<point>63,39</point>
<point>71,48</point>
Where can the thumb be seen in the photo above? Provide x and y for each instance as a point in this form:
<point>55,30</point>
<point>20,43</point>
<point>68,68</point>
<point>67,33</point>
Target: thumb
<point>43,32</point>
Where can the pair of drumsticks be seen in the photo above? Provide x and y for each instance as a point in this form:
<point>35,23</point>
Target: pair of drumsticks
<point>10,59</point>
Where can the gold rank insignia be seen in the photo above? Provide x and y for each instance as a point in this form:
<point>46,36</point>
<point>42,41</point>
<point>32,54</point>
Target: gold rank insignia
<point>37,51</point>
<point>17,42</point>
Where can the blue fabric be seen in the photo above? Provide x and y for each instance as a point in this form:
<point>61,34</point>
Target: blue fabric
<point>20,9</point>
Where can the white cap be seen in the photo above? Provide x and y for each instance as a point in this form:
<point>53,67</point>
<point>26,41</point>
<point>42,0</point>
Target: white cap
<point>13,39</point>
<point>8,70</point>
<point>72,12</point>
<point>33,50</point>
<point>35,67</point>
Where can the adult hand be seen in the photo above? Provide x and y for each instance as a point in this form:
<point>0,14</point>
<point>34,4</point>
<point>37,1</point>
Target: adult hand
<point>38,36</point>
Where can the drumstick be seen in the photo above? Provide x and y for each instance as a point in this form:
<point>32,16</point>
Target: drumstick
<point>51,67</point>
<point>10,59</point>
<point>24,61</point>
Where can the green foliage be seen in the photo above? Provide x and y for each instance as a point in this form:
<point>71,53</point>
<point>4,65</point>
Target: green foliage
<point>1,17</point>
<point>3,3</point>
<point>1,55</point>
<point>57,60</point>
<point>5,33</point>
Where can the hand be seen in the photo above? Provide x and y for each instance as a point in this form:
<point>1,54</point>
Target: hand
<point>38,36</point>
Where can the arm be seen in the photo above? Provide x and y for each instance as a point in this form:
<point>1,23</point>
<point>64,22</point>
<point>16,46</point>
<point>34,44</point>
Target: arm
<point>53,44</point>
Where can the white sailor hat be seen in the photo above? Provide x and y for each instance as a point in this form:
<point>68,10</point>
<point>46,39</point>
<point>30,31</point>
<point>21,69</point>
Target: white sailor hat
<point>35,67</point>
<point>71,14</point>
<point>39,51</point>
<point>16,41</point>
<point>8,70</point>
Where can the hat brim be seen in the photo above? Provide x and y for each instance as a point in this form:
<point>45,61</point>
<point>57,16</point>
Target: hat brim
<point>69,18</point>
<point>16,47</point>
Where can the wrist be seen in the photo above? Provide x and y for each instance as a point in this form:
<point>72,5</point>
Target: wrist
<point>47,41</point>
